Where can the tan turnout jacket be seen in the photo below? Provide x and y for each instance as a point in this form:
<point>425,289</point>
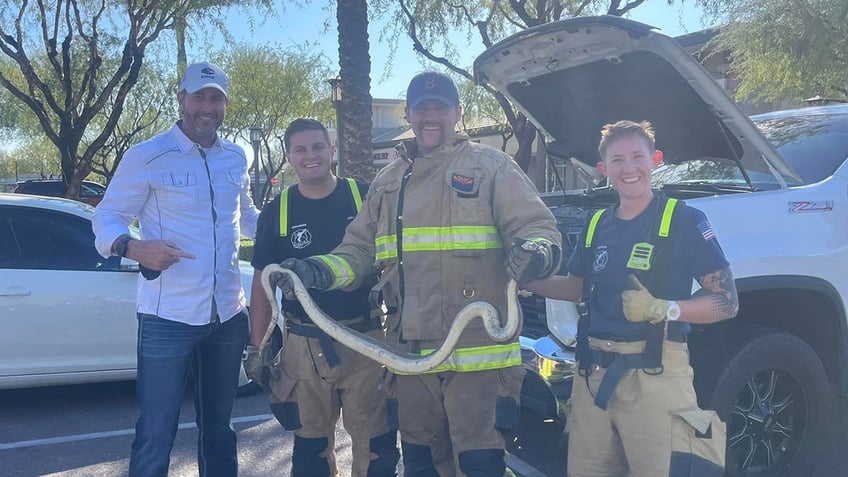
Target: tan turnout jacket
<point>461,206</point>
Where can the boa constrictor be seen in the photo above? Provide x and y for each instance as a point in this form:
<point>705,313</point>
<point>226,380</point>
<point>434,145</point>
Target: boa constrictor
<point>381,352</point>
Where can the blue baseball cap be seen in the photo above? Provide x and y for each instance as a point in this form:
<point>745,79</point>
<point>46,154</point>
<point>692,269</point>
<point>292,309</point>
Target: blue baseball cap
<point>431,85</point>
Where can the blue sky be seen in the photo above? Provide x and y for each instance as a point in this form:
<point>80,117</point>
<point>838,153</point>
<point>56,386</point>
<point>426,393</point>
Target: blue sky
<point>297,26</point>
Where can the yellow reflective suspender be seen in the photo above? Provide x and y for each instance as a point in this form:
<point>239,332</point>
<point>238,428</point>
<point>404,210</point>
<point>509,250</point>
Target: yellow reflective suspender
<point>593,224</point>
<point>284,204</point>
<point>284,211</point>
<point>354,192</point>
<point>665,222</point>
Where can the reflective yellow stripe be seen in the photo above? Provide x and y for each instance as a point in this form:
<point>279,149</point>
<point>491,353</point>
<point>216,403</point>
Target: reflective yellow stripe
<point>342,271</point>
<point>385,247</point>
<point>479,358</point>
<point>439,239</point>
<point>665,222</point>
<point>284,204</point>
<point>590,232</point>
<point>354,192</point>
<point>284,212</point>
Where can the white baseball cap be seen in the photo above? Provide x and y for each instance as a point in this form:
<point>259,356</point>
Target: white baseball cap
<point>204,75</point>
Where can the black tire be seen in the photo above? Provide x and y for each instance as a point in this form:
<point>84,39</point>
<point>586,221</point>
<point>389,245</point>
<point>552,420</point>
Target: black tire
<point>772,391</point>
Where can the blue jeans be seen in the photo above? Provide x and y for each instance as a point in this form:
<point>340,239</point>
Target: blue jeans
<point>167,351</point>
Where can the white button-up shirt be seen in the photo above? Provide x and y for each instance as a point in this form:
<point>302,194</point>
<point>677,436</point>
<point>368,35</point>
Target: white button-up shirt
<point>202,205</point>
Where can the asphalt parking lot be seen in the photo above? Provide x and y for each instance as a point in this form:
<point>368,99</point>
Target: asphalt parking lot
<point>86,431</point>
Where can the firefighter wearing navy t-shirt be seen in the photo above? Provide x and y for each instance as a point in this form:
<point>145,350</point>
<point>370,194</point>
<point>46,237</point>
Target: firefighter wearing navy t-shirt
<point>317,376</point>
<point>633,406</point>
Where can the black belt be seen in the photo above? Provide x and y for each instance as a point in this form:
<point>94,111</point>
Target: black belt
<point>673,333</point>
<point>309,330</point>
<point>617,364</point>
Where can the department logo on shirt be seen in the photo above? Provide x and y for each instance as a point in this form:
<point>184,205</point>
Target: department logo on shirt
<point>601,259</point>
<point>301,238</point>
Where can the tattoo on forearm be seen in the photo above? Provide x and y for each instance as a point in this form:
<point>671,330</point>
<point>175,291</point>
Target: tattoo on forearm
<point>721,288</point>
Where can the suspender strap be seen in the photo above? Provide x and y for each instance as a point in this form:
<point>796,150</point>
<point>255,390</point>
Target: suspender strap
<point>583,354</point>
<point>654,346</point>
<point>614,374</point>
<point>284,211</point>
<point>354,194</point>
<point>355,197</point>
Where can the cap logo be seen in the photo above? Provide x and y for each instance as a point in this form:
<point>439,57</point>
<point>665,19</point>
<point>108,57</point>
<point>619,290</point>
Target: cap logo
<point>207,71</point>
<point>429,84</point>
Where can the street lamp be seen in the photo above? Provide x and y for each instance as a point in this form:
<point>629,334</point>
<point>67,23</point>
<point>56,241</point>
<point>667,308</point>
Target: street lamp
<point>336,85</point>
<point>255,140</point>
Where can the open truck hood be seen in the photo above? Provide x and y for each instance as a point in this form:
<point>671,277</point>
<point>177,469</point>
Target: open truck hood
<point>573,76</point>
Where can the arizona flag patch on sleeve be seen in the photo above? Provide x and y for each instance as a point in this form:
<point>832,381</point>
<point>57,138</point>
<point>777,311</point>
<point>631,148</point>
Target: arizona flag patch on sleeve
<point>706,230</point>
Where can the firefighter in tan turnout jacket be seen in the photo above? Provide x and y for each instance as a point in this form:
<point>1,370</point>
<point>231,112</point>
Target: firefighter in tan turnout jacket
<point>448,223</point>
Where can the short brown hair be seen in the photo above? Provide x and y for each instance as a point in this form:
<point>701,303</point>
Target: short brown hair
<point>303,124</point>
<point>615,131</point>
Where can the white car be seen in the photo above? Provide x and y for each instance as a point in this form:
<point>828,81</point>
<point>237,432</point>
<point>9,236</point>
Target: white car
<point>67,315</point>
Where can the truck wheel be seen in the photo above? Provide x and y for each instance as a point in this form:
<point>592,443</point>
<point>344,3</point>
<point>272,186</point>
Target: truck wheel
<point>771,390</point>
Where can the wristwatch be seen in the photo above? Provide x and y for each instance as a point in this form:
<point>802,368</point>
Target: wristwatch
<point>673,313</point>
<point>121,246</point>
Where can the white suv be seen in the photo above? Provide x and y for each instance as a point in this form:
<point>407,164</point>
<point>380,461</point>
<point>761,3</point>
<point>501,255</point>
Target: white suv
<point>775,188</point>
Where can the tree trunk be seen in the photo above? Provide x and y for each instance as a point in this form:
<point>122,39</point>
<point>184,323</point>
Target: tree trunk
<point>355,108</point>
<point>180,27</point>
<point>525,134</point>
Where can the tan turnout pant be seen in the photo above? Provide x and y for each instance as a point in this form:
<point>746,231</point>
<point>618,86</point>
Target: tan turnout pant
<point>652,426</point>
<point>314,395</point>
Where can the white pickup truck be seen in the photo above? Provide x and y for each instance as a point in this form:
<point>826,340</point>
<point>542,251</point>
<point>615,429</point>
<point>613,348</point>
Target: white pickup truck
<point>775,188</point>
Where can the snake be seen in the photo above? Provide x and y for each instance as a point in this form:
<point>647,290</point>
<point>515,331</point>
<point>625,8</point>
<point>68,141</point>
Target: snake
<point>395,360</point>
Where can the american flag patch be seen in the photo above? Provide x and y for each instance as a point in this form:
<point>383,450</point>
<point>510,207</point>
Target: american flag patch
<point>706,230</point>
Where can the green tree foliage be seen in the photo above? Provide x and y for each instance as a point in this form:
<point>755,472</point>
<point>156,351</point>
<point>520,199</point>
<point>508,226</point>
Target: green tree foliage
<point>209,14</point>
<point>76,60</point>
<point>148,110</point>
<point>270,87</point>
<point>431,25</point>
<point>786,48</point>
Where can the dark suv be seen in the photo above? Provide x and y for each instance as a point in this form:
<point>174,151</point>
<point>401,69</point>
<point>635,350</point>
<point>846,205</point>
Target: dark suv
<point>90,192</point>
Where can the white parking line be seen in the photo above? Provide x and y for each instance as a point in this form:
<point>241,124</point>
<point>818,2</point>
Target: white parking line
<point>123,432</point>
<point>519,466</point>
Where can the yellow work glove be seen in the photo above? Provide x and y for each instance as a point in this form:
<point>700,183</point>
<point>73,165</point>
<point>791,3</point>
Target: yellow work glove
<point>640,305</point>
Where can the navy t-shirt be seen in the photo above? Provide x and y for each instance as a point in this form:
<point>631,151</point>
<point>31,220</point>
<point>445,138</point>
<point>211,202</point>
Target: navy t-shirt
<point>694,250</point>
<point>316,227</point>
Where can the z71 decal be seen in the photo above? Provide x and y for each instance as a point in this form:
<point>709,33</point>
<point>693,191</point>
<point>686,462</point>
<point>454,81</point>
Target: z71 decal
<point>811,206</point>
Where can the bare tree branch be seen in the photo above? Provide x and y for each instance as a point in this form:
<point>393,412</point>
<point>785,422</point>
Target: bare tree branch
<point>509,19</point>
<point>615,10</point>
<point>520,9</point>
<point>582,7</point>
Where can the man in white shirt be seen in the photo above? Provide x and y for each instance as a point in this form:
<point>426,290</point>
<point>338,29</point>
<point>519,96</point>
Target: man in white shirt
<point>190,191</point>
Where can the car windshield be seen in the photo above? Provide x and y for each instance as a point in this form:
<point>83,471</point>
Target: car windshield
<point>813,145</point>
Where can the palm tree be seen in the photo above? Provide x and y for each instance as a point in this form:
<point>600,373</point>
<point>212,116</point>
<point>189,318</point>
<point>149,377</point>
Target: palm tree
<point>355,74</point>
